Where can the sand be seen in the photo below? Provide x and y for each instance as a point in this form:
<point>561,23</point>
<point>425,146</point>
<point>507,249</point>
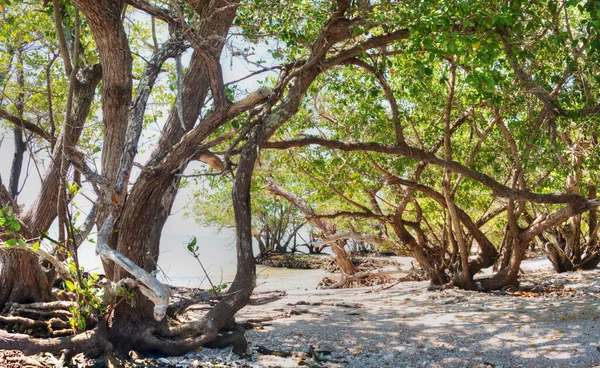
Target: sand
<point>407,326</point>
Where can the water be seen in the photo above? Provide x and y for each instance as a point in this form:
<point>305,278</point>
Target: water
<point>217,254</point>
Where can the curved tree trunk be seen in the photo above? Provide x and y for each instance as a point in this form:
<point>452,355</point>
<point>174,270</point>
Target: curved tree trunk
<point>509,274</point>
<point>245,278</point>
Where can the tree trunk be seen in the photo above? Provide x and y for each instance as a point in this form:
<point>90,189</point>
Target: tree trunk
<point>38,218</point>
<point>22,280</point>
<point>592,251</point>
<point>509,274</point>
<point>245,278</point>
<point>436,275</point>
<point>342,259</point>
<point>558,258</point>
<point>17,163</point>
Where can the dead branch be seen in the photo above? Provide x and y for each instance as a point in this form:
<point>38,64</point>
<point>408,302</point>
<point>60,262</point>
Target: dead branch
<point>157,292</point>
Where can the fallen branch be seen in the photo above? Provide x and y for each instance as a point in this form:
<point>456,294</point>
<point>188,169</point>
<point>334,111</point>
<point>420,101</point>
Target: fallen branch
<point>316,355</point>
<point>288,314</point>
<point>180,306</point>
<point>341,305</point>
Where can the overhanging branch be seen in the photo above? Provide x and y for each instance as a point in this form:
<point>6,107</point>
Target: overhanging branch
<point>405,150</point>
<point>25,124</point>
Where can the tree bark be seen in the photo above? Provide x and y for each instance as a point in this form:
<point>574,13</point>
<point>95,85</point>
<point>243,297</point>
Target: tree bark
<point>37,217</point>
<point>21,278</point>
<point>104,18</point>
<point>17,163</point>
<point>591,257</point>
<point>152,196</point>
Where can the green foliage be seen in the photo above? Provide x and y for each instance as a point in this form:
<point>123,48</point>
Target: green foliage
<point>10,226</point>
<point>192,246</point>
<point>217,288</point>
<point>89,298</point>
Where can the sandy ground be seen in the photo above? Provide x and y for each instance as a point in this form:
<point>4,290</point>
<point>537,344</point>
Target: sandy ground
<point>551,321</point>
<point>407,326</point>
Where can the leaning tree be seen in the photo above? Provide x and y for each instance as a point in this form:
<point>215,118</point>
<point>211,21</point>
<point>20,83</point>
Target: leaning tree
<point>68,53</point>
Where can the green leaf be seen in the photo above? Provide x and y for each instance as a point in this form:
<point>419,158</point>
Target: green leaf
<point>74,188</point>
<point>70,285</point>
<point>191,247</point>
<point>15,225</point>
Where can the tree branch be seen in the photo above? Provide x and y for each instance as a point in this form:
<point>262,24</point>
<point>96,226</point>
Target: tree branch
<point>25,124</point>
<point>350,235</point>
<point>168,50</point>
<point>405,150</point>
<point>389,94</point>
<point>157,292</point>
<point>532,87</point>
<point>155,11</point>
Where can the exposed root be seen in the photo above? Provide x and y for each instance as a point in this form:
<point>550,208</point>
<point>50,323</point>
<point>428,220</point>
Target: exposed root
<point>279,353</point>
<point>44,306</point>
<point>184,329</point>
<point>361,279</point>
<point>52,328</point>
<point>178,345</point>
<point>234,338</point>
<point>93,342</point>
<point>39,319</point>
<point>41,313</point>
<point>16,359</point>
